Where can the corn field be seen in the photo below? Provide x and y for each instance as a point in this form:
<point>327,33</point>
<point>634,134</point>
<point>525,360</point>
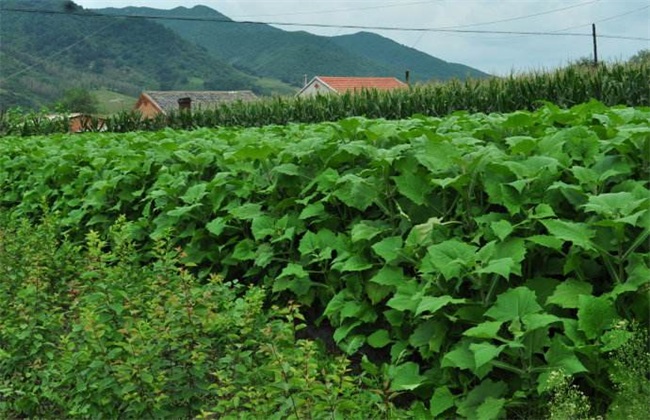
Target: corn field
<point>616,84</point>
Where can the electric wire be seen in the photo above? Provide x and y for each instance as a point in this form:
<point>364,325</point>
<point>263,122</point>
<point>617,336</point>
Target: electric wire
<point>326,25</point>
<point>351,9</point>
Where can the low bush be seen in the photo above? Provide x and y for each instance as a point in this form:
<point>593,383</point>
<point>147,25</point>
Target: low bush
<point>88,332</point>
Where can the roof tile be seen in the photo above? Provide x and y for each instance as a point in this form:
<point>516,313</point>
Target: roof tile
<point>343,84</point>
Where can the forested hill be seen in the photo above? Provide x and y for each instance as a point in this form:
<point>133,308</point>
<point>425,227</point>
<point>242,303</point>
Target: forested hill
<point>264,50</point>
<point>45,53</point>
<point>399,57</point>
<point>54,45</point>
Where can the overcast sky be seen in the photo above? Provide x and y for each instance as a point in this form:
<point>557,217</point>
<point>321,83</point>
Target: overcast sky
<point>492,53</point>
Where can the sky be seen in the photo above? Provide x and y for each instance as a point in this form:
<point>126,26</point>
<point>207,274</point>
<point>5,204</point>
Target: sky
<point>498,54</point>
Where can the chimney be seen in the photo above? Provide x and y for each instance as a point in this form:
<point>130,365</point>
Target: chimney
<point>407,77</point>
<point>184,104</point>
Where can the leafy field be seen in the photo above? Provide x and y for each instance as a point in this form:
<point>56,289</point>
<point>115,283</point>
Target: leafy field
<point>476,263</point>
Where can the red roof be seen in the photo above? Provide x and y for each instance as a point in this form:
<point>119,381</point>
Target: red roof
<point>342,84</point>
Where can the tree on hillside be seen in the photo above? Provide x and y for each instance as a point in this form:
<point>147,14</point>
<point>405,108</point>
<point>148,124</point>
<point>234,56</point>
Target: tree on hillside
<point>643,56</point>
<point>79,100</point>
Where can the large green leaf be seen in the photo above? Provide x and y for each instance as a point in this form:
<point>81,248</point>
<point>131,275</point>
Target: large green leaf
<point>413,186</point>
<point>486,391</point>
<point>390,276</point>
<point>247,211</point>
<point>567,293</point>
<point>432,303</point>
<point>514,304</point>
<point>561,356</point>
<point>485,353</point>
<point>378,339</point>
<point>449,258</point>
<point>366,230</point>
<point>388,248</point>
<point>500,266</point>
<point>487,329</point>
<point>578,233</point>
<point>355,191</point>
<point>194,193</point>
<point>405,377</point>
<point>595,314</point>
<point>441,401</point>
<point>491,408</point>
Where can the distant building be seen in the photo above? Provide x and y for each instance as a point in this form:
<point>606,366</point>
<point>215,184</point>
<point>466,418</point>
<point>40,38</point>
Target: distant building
<point>78,122</point>
<point>330,84</point>
<point>152,103</point>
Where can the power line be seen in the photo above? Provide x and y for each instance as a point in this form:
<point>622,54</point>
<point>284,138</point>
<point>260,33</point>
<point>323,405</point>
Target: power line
<point>325,25</point>
<point>59,52</point>
<point>605,19</point>
<point>350,9</point>
<point>520,17</point>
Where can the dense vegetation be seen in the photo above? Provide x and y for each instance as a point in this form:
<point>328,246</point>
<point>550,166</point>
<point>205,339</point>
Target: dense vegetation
<point>268,51</point>
<point>478,265</point>
<point>618,84</point>
<point>88,332</point>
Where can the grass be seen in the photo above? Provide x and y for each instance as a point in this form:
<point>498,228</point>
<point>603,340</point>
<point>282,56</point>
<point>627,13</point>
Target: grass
<point>112,102</point>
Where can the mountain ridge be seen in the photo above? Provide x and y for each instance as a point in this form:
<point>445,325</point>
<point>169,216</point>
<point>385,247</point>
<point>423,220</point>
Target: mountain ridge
<point>264,50</point>
<point>43,54</point>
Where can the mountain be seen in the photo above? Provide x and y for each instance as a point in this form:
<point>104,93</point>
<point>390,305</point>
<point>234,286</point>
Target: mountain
<point>264,50</point>
<point>55,45</point>
<point>261,50</point>
<point>58,46</point>
<point>399,58</point>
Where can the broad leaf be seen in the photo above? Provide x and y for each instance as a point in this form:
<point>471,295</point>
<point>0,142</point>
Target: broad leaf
<point>450,257</point>
<point>388,248</point>
<point>379,339</point>
<point>514,304</point>
<point>567,293</point>
<point>485,353</point>
<point>487,329</point>
<point>405,377</point>
<point>412,186</point>
<point>356,192</point>
<point>578,233</point>
<point>595,315</point>
<point>390,276</point>
<point>441,401</point>
<point>492,408</point>
<point>432,304</point>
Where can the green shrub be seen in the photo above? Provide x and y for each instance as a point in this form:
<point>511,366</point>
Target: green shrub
<point>88,332</point>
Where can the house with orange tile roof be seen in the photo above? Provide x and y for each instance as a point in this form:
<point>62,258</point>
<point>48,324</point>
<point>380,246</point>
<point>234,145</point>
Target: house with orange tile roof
<point>337,85</point>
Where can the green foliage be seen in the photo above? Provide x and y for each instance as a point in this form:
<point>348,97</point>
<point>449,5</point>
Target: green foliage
<point>79,100</point>
<point>619,84</point>
<point>524,249</point>
<point>630,373</point>
<point>125,55</point>
<point>643,56</point>
<point>89,332</point>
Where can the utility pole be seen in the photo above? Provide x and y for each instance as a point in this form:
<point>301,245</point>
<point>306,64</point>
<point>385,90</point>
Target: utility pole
<point>593,35</point>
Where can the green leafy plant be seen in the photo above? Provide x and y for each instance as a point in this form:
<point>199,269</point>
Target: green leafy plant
<point>88,331</point>
<point>467,257</point>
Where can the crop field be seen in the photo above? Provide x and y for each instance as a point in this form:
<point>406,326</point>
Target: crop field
<point>474,266</point>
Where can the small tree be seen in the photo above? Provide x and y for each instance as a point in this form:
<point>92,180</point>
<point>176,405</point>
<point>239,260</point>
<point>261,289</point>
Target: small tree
<point>79,100</point>
<point>641,57</point>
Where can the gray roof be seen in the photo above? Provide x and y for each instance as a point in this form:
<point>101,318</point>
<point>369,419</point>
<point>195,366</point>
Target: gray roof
<point>168,100</point>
